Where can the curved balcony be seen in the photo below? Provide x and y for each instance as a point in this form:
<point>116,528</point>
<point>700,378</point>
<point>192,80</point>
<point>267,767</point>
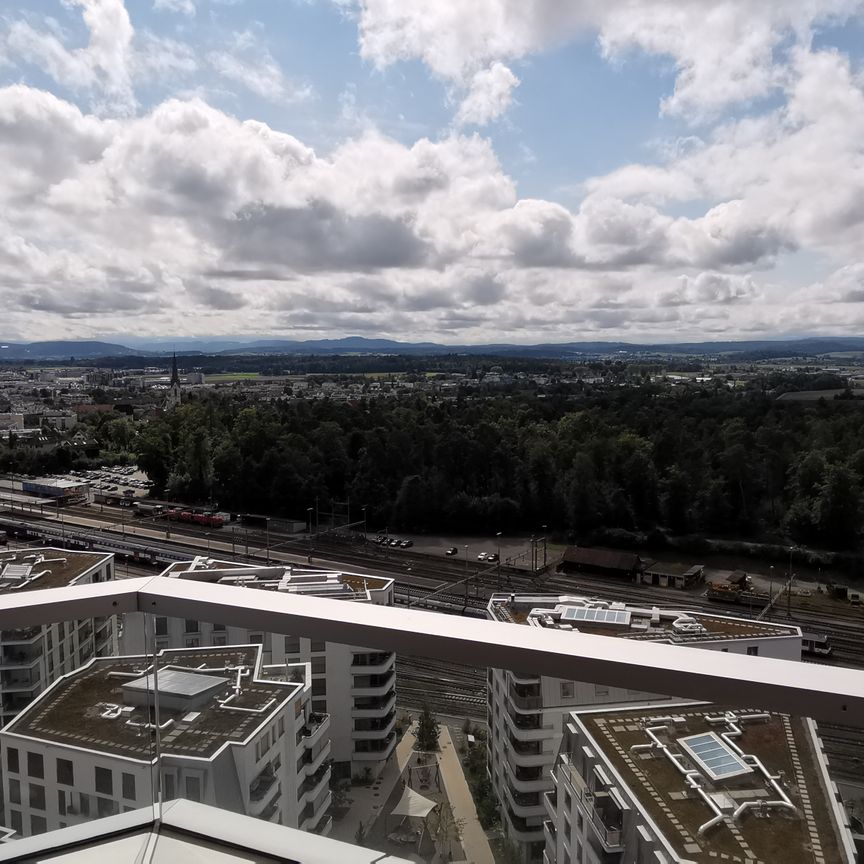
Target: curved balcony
<point>315,728</point>
<point>377,728</point>
<point>373,707</point>
<point>375,751</point>
<point>373,685</point>
<point>311,762</point>
<point>311,787</point>
<point>520,830</point>
<point>262,792</point>
<point>324,827</point>
<point>528,755</point>
<point>540,783</point>
<point>312,814</point>
<point>526,806</point>
<point>522,678</point>
<point>372,663</point>
<point>528,727</point>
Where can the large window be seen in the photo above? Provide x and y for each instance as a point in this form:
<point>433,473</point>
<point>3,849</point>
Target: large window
<point>192,626</point>
<point>129,786</point>
<point>161,626</point>
<point>12,759</point>
<point>37,796</point>
<point>65,772</point>
<point>14,791</point>
<point>104,781</point>
<point>35,765</point>
<point>193,788</point>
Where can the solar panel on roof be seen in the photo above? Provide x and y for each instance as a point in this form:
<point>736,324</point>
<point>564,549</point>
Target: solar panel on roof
<point>595,616</point>
<point>714,756</point>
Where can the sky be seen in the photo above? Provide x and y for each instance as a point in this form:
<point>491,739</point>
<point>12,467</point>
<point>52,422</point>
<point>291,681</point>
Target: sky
<point>464,172</point>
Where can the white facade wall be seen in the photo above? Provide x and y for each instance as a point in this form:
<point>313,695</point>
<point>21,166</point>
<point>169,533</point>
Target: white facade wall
<point>31,660</point>
<point>526,716</point>
<point>355,686</point>
<point>49,785</point>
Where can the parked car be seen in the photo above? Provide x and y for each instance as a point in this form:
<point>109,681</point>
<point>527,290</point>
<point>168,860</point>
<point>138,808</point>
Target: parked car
<point>492,556</point>
<point>482,556</point>
<point>407,544</point>
<point>451,551</point>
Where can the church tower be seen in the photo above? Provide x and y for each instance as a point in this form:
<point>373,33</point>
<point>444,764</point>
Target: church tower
<point>174,391</point>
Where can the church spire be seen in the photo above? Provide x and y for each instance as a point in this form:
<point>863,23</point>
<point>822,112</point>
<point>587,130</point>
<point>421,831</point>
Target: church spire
<point>175,375</point>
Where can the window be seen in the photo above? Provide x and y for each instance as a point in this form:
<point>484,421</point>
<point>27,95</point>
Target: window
<point>37,796</point>
<point>193,788</point>
<point>281,726</point>
<point>107,807</point>
<point>161,626</point>
<point>14,792</point>
<point>129,786</point>
<point>567,689</point>
<point>292,645</point>
<point>220,638</point>
<point>12,759</point>
<point>753,650</point>
<point>65,772</point>
<point>218,627</point>
<point>38,825</point>
<point>84,804</point>
<point>319,686</point>
<point>192,641</point>
<point>169,787</point>
<point>35,765</point>
<point>568,801</point>
<point>256,638</point>
<point>62,653</point>
<point>318,646</point>
<point>15,819</point>
<point>104,781</point>
<point>191,626</point>
<point>61,801</point>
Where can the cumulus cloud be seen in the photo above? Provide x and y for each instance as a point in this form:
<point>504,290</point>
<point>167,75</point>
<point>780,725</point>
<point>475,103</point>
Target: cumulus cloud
<point>709,288</point>
<point>725,51</point>
<point>489,95</point>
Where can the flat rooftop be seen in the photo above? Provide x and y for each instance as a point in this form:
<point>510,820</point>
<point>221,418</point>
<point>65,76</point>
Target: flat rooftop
<point>26,569</point>
<point>93,706</point>
<point>727,751</point>
<point>313,581</point>
<point>603,618</point>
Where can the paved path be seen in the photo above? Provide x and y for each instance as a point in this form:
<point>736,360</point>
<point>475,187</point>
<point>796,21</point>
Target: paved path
<point>474,842</point>
<point>368,801</point>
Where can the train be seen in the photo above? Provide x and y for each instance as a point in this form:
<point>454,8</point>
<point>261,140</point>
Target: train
<point>816,644</point>
<point>176,514</point>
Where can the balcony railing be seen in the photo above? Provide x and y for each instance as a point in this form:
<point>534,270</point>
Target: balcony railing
<point>608,830</point>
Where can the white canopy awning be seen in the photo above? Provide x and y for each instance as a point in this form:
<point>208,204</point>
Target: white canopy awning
<point>413,804</point>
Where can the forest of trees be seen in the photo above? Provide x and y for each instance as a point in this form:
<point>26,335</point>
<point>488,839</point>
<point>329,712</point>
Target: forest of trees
<point>639,459</point>
<point>710,463</point>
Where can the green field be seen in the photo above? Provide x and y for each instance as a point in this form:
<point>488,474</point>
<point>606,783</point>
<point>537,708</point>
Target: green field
<point>224,377</point>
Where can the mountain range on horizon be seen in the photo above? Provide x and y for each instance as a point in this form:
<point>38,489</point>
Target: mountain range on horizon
<point>82,349</point>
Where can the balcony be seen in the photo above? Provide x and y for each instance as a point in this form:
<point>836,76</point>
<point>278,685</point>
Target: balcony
<point>550,802</point>
<point>525,805</point>
<point>521,830</point>
<point>374,727</point>
<point>372,664</point>
<point>373,685</point>
<point>374,750</point>
<point>12,658</point>
<point>551,834</point>
<point>534,779</point>
<point>522,678</point>
<point>314,729</point>
<point>373,707</point>
<point>525,702</point>
<point>312,760</point>
<point>315,811</point>
<point>264,793</point>
<point>528,727</point>
<point>598,807</point>
<point>311,787</point>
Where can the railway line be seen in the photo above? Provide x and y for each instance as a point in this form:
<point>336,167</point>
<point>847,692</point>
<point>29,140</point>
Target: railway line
<point>457,690</point>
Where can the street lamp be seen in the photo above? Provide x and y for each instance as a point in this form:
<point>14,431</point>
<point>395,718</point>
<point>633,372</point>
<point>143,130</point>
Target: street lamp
<point>545,532</point>
<point>365,538</point>
<point>309,533</point>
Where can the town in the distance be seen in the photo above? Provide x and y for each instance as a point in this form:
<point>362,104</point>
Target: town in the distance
<point>709,499</point>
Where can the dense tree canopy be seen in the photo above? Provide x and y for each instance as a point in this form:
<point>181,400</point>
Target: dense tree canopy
<point>710,462</point>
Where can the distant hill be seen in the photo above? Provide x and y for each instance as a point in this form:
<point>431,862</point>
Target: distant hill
<point>750,349</point>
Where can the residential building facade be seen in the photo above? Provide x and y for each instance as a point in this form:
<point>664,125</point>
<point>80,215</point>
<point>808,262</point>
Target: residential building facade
<point>232,733</point>
<point>354,685</point>
<point>690,782</point>
<point>526,713</point>
<point>31,659</point>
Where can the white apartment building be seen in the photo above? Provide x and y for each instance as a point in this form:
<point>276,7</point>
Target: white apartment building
<point>233,734</point>
<point>355,686</point>
<point>682,783</point>
<point>31,659</point>
<point>526,713</point>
